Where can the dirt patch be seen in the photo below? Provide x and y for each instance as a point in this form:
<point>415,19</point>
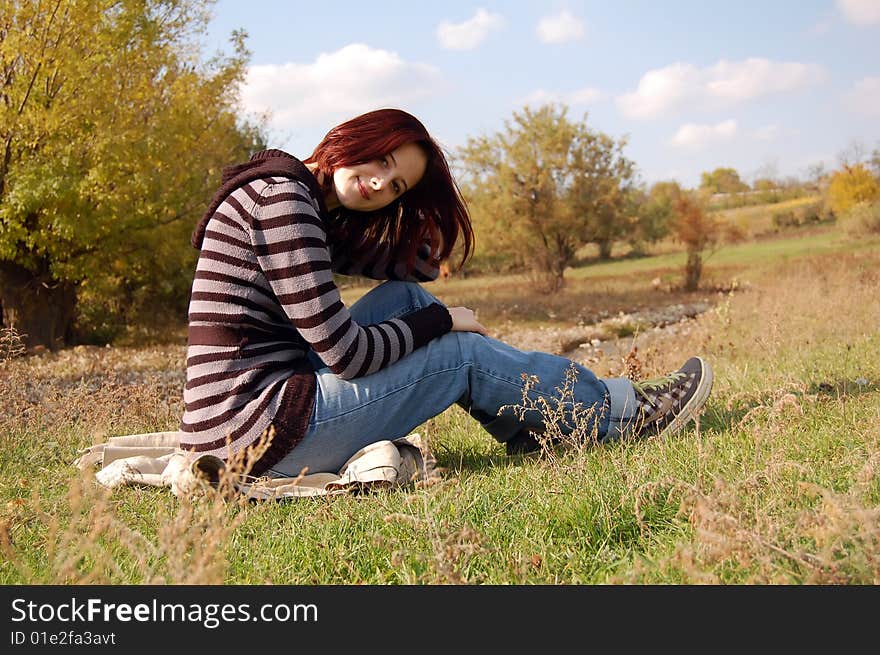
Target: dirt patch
<point>613,336</point>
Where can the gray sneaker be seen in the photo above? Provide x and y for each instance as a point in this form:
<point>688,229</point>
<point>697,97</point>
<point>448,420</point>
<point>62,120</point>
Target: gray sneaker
<point>667,404</point>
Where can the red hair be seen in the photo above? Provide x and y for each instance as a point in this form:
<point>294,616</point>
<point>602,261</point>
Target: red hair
<point>432,209</point>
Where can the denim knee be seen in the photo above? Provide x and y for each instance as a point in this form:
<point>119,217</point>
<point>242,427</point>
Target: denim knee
<point>415,291</point>
<point>469,342</point>
<point>390,299</point>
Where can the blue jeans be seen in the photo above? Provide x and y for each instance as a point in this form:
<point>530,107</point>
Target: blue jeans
<point>478,373</point>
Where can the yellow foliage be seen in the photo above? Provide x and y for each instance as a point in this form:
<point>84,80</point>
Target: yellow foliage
<point>850,186</point>
<point>109,123</point>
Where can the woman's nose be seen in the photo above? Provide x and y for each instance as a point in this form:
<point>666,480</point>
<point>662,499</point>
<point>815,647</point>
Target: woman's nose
<point>377,183</point>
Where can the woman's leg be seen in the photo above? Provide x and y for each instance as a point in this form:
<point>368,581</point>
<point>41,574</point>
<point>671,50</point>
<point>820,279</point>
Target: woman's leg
<point>480,373</point>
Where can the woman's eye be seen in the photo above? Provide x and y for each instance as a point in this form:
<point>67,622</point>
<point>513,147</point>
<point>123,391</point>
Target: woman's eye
<point>384,161</point>
<point>396,187</point>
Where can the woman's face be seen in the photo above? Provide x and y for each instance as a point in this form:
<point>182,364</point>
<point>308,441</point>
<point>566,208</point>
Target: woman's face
<point>376,184</point>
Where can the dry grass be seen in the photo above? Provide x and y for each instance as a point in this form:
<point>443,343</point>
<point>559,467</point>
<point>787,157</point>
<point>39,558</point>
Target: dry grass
<point>757,220</point>
<point>75,531</point>
<point>566,423</point>
<point>91,541</point>
<point>797,374</point>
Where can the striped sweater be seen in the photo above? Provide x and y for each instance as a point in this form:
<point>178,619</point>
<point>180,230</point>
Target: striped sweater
<point>263,297</point>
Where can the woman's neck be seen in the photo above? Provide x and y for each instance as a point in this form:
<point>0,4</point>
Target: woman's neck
<point>330,199</point>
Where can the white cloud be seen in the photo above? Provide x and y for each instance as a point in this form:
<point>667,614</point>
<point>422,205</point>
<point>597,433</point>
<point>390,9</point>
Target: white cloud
<point>560,27</point>
<point>767,133</point>
<point>860,12</point>
<point>773,132</point>
<point>585,96</point>
<point>470,33</point>
<point>728,82</point>
<point>542,97</point>
<point>661,89</point>
<point>337,85</point>
<point>695,137</point>
<point>754,77</point>
<point>864,98</point>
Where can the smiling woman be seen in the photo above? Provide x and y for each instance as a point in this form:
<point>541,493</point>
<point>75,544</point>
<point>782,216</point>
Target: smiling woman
<point>273,350</point>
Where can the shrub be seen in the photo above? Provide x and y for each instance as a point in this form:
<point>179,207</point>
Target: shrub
<point>733,233</point>
<point>863,219</point>
<point>807,214</point>
<point>812,213</point>
<point>851,186</point>
<point>785,219</point>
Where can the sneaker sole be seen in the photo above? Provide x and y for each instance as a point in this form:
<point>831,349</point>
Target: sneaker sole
<point>695,404</point>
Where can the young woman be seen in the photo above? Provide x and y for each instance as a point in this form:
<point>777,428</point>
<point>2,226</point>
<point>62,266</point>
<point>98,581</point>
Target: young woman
<point>270,342</point>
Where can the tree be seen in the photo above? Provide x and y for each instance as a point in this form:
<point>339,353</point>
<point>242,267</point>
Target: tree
<point>723,180</point>
<point>545,186</point>
<point>601,190</point>
<point>696,228</point>
<point>112,135</point>
<point>816,173</point>
<point>851,186</point>
<point>853,154</point>
<point>769,170</point>
<point>654,212</point>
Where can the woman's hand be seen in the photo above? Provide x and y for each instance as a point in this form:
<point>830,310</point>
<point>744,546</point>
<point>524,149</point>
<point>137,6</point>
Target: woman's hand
<point>464,320</point>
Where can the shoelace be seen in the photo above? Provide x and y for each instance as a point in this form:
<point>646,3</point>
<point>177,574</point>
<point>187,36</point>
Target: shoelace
<point>654,384</point>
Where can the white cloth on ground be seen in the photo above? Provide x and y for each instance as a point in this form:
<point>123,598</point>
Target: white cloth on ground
<point>156,459</point>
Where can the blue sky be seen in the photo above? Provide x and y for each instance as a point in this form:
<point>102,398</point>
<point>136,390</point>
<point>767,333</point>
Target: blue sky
<point>768,87</point>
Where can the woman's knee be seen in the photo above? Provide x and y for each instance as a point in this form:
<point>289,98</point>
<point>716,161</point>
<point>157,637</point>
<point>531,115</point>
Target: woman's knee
<point>400,288</point>
<point>390,299</point>
<point>402,291</point>
<point>468,346</point>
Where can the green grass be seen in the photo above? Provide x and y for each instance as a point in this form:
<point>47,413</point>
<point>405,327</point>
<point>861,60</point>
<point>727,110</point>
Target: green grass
<point>778,485</point>
<point>743,255</point>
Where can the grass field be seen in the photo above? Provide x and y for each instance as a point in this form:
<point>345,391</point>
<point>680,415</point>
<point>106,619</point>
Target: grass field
<point>756,220</point>
<point>777,484</point>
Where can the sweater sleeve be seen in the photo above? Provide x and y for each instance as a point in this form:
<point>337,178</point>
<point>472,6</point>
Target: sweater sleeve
<point>377,265</point>
<point>291,247</point>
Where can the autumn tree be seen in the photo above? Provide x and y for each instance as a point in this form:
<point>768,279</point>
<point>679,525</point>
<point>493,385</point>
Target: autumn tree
<point>600,194</point>
<point>850,186</point>
<point>112,135</point>
<point>722,180</point>
<point>654,210</point>
<point>697,230</point>
<point>545,186</point>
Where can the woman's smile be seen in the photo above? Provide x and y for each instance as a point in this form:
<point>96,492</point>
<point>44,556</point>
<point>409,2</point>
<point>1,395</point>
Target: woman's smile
<point>363,190</point>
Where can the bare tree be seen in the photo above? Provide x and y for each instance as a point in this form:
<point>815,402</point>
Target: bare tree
<point>854,154</point>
